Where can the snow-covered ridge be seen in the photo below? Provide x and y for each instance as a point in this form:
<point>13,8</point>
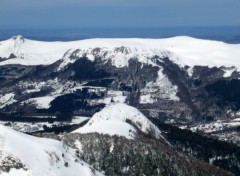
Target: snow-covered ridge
<point>119,119</point>
<point>119,56</point>
<point>189,51</point>
<point>40,157</point>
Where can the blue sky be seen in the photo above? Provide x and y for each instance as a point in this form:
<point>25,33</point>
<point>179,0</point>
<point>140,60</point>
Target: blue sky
<point>118,13</point>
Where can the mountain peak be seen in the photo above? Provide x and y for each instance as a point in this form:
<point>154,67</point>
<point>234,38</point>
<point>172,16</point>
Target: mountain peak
<point>18,39</point>
<point>119,119</point>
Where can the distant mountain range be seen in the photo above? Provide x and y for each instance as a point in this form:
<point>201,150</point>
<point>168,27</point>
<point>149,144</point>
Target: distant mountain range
<point>228,34</point>
<point>131,90</point>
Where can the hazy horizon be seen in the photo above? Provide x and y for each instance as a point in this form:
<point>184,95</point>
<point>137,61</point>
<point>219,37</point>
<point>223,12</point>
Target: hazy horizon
<point>66,20</point>
<point>230,34</point>
<point>121,13</point>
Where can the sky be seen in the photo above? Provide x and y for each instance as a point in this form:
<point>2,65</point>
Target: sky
<point>118,13</point>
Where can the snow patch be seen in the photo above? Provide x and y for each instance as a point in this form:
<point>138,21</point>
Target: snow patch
<point>111,148</point>
<point>228,71</point>
<point>79,146</point>
<point>7,99</point>
<point>41,102</point>
<point>236,120</point>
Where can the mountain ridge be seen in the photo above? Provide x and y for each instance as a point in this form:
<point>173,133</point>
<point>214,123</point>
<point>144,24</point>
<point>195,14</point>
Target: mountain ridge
<point>187,49</point>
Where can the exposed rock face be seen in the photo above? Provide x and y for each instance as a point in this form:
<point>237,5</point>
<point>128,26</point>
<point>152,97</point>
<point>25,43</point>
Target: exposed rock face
<point>8,162</point>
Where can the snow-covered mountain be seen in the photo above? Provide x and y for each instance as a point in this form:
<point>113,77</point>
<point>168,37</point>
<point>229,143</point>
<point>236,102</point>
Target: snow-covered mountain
<point>176,80</point>
<point>120,84</point>
<point>120,119</point>
<point>189,51</point>
<point>170,79</point>
<point>25,155</point>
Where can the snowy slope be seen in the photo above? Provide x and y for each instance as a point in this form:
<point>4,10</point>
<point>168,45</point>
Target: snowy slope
<point>113,120</point>
<point>162,88</point>
<point>6,99</point>
<point>40,157</point>
<point>189,51</point>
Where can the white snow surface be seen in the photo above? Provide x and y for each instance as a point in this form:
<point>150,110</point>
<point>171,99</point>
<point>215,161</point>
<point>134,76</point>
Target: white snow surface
<point>229,71</point>
<point>113,119</point>
<point>41,102</point>
<point>189,51</point>
<point>42,157</point>
<point>7,99</point>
